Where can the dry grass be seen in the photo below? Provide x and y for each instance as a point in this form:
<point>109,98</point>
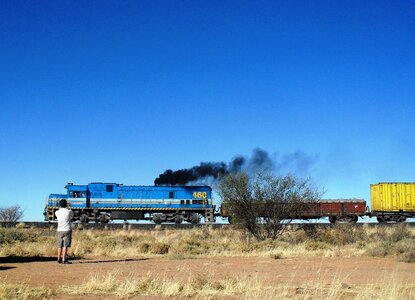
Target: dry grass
<point>196,285</point>
<point>205,286</point>
<point>343,240</point>
<point>23,292</point>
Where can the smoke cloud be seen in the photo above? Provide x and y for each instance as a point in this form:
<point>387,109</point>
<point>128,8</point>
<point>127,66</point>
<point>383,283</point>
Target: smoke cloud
<point>260,161</point>
<point>184,176</point>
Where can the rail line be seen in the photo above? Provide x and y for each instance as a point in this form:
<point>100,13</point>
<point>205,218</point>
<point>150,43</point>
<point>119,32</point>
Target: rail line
<point>150,226</point>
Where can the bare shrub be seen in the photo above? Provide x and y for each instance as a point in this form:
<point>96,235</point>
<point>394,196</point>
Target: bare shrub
<point>405,249</point>
<point>11,214</point>
<point>296,237</point>
<point>396,240</point>
<point>311,231</point>
<point>380,249</point>
<point>340,235</point>
<point>409,256</point>
<point>265,205</point>
<point>399,233</point>
<point>12,235</point>
<point>345,234</point>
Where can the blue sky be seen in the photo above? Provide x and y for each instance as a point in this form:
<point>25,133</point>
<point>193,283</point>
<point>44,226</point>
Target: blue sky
<point>120,91</point>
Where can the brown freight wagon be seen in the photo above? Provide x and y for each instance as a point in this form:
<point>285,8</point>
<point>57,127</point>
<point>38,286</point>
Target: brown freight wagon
<point>336,210</point>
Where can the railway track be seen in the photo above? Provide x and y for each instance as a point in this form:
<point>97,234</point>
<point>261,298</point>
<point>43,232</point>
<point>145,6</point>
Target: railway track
<point>151,226</point>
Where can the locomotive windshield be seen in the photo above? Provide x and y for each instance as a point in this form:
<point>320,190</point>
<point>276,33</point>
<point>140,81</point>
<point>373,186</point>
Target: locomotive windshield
<point>77,194</point>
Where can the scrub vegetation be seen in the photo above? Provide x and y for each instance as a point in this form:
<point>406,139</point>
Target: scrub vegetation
<point>240,287</point>
<point>207,287</point>
<point>264,204</point>
<point>343,240</point>
<point>11,214</point>
<point>340,240</point>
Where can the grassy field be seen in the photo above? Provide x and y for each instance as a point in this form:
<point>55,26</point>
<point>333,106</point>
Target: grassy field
<point>342,240</point>
<point>397,242</point>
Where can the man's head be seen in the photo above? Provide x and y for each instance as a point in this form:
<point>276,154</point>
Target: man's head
<point>63,203</point>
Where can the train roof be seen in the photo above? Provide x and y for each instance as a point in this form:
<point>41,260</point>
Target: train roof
<point>144,186</point>
<point>343,200</point>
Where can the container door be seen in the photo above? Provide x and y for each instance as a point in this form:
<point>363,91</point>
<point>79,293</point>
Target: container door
<point>375,195</point>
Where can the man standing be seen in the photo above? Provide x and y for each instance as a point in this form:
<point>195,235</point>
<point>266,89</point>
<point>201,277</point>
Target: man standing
<point>64,232</point>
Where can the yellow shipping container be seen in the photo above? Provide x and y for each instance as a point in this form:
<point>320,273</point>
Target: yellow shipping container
<point>392,197</point>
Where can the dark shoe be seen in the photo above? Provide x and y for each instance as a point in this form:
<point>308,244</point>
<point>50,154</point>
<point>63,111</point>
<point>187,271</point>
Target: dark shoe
<point>59,260</point>
<point>66,262</point>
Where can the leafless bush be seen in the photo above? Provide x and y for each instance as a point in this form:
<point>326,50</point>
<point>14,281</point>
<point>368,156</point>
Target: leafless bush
<point>409,255</point>
<point>11,214</point>
<point>265,205</point>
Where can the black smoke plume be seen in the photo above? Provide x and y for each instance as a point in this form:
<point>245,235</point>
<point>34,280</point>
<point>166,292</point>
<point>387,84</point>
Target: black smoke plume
<point>260,161</point>
<point>184,176</point>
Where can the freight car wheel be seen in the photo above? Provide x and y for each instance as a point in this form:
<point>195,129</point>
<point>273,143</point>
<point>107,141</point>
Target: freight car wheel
<point>332,219</point>
<point>400,219</point>
<point>381,219</point>
<point>352,219</point>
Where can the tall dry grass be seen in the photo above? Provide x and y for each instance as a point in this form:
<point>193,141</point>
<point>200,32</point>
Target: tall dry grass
<point>23,292</point>
<point>205,286</point>
<point>343,240</point>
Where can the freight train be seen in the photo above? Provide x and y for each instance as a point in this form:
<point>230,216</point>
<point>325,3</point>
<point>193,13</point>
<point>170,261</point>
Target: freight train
<point>103,202</point>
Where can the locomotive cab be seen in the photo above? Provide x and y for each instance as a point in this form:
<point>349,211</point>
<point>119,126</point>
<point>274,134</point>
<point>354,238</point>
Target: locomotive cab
<point>77,195</point>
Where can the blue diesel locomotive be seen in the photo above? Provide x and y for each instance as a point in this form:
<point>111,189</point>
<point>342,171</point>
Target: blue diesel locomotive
<point>102,202</point>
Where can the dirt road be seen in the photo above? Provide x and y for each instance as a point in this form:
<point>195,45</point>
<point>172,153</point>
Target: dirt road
<point>353,271</point>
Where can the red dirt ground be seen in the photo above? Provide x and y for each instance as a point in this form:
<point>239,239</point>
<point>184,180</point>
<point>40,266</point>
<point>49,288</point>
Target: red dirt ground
<point>353,271</point>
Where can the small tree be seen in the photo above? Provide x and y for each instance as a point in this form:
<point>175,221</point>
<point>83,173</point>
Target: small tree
<point>11,214</point>
<point>265,204</point>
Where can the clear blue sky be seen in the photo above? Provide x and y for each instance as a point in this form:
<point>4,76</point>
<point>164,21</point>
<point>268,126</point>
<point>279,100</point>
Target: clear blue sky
<point>119,91</point>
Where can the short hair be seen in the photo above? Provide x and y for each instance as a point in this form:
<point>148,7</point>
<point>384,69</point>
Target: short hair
<point>63,203</point>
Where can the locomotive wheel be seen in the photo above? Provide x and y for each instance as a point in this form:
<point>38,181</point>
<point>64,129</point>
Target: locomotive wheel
<point>84,218</point>
<point>158,218</point>
<point>230,220</point>
<point>178,219</point>
<point>103,219</point>
<point>194,218</point>
<point>332,219</point>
